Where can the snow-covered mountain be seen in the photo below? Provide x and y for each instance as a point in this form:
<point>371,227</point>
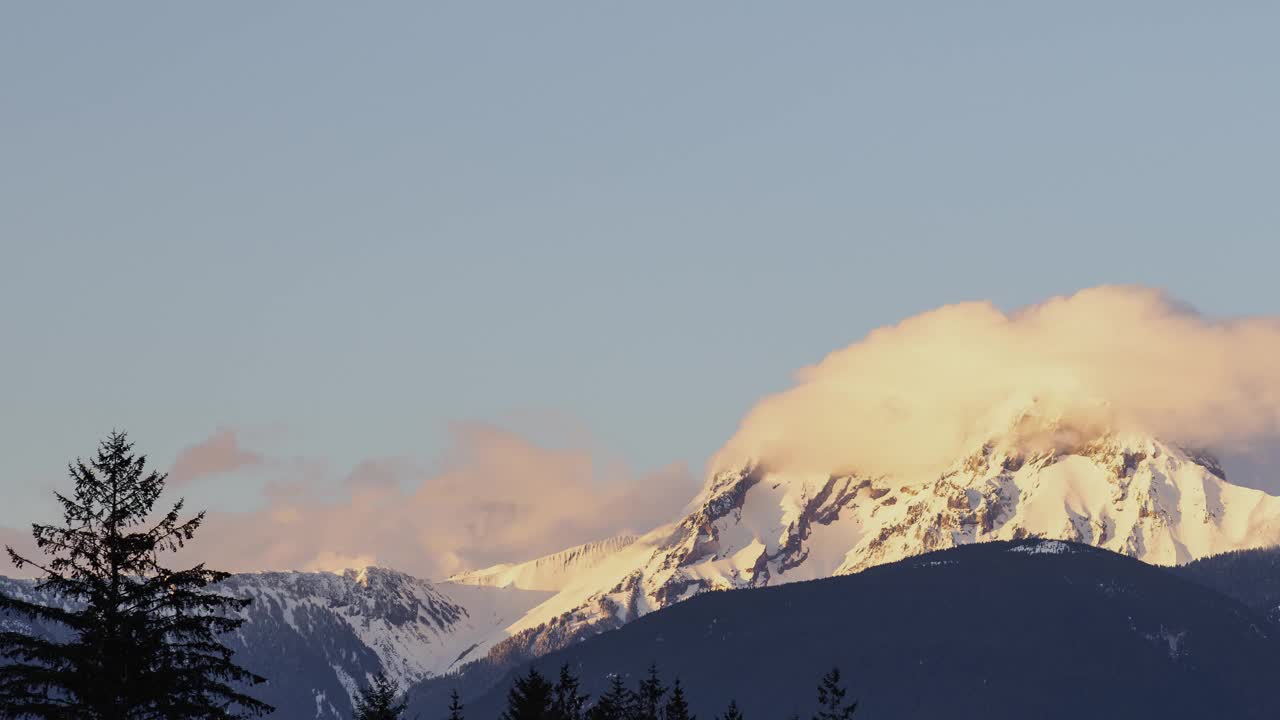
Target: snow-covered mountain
<point>1034,477</point>
<point>550,572</point>
<point>1001,631</point>
<point>415,628</point>
<point>317,637</point>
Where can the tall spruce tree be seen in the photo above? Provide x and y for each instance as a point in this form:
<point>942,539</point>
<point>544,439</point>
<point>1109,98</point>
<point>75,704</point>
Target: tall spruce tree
<point>144,639</point>
<point>530,698</point>
<point>380,700</point>
<point>617,704</point>
<point>567,703</point>
<point>677,707</point>
<point>649,695</point>
<point>732,712</point>
<point>831,705</point>
<point>455,706</point>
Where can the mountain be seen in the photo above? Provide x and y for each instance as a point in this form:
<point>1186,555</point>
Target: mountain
<point>25,590</point>
<point>551,572</point>
<point>1250,576</point>
<point>1044,629</point>
<point>317,637</point>
<point>1032,477</point>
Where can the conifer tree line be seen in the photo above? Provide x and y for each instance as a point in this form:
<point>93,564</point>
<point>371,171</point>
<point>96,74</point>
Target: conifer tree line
<point>534,697</point>
<point>382,700</point>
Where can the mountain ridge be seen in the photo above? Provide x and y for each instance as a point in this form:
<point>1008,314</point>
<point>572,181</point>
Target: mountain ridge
<point>1135,495</point>
<point>320,636</point>
<point>751,526</point>
<point>549,572</point>
<point>1039,477</point>
<point>1003,629</point>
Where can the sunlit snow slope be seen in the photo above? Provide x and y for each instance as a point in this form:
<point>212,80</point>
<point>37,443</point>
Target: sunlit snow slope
<point>1036,477</point>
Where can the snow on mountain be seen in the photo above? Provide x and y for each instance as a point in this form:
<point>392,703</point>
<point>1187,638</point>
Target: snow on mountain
<point>415,628</point>
<point>319,636</point>
<point>407,624</point>
<point>550,572</point>
<point>1036,477</point>
<point>1001,631</point>
<point>25,590</point>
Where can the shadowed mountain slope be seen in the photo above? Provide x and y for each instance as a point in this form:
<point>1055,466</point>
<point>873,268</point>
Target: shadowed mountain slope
<point>1020,629</point>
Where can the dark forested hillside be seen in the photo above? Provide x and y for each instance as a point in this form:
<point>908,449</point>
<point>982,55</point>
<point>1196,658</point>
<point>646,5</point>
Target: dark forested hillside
<point>1250,576</point>
<point>1032,629</point>
<point>1001,630</point>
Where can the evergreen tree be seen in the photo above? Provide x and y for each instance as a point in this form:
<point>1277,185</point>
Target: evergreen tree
<point>380,700</point>
<point>732,712</point>
<point>144,639</point>
<point>568,703</point>
<point>831,705</point>
<point>455,706</point>
<point>530,698</point>
<point>649,695</point>
<point>616,704</point>
<point>677,708</point>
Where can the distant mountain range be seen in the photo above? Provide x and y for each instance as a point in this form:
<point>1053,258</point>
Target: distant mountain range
<point>320,635</point>
<point>755,527</point>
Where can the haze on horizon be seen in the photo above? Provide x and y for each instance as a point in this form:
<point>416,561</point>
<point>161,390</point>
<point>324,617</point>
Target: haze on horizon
<point>499,282</point>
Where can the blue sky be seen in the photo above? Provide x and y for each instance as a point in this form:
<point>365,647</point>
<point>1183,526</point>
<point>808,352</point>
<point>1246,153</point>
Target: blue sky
<point>343,228</point>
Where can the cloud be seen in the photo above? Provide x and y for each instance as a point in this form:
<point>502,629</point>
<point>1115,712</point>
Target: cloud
<point>328,561</point>
<point>218,454</point>
<point>495,497</point>
<point>907,399</point>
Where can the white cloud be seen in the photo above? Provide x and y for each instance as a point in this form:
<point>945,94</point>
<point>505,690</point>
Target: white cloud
<point>497,497</point>
<point>908,398</point>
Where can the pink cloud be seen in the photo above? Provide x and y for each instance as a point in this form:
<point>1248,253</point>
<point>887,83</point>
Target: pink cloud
<point>906,399</point>
<point>220,453</point>
<point>496,497</point>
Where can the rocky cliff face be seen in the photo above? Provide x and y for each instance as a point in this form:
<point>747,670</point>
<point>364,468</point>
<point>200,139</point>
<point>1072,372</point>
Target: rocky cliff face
<point>406,624</point>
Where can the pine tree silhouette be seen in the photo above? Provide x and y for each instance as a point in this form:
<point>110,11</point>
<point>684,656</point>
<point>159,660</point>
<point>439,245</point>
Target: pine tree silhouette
<point>380,700</point>
<point>455,706</point>
<point>677,708</point>
<point>530,698</point>
<point>144,639</point>
<point>568,703</point>
<point>649,695</point>
<point>617,704</point>
<point>831,699</point>
<point>732,712</point>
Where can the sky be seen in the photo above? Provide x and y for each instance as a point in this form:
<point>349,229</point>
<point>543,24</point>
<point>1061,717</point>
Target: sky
<point>312,248</point>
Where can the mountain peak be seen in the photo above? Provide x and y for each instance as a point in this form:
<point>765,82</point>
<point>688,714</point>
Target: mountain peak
<point>1033,472</point>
